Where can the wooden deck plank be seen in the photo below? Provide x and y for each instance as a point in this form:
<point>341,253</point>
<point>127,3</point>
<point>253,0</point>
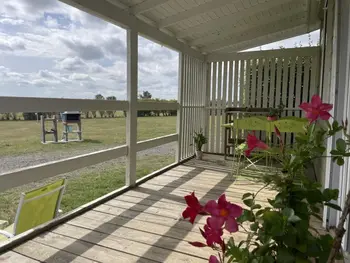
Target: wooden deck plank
<point>145,224</point>
<point>85,249</point>
<point>13,257</point>
<point>49,254</point>
<point>143,237</point>
<point>121,245</point>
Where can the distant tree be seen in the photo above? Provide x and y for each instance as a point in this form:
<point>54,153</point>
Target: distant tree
<point>101,113</point>
<point>99,97</point>
<point>145,96</point>
<point>111,114</point>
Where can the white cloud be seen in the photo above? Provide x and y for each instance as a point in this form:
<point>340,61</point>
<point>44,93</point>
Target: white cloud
<point>11,44</point>
<point>80,77</point>
<point>51,22</point>
<point>12,22</point>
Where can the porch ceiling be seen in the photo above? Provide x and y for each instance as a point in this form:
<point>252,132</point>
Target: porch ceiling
<point>210,26</point>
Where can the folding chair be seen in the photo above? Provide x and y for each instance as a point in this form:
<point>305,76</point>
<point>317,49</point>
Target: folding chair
<point>248,124</point>
<point>35,208</point>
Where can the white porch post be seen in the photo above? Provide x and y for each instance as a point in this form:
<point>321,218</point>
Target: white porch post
<point>179,123</point>
<point>206,110</point>
<point>131,120</point>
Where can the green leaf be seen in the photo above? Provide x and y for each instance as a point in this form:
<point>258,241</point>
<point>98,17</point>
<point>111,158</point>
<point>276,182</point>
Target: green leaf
<point>341,145</point>
<point>268,259</point>
<point>246,195</point>
<point>284,256</point>
<point>288,212</point>
<point>257,206</point>
<point>248,202</point>
<point>247,215</point>
<point>254,226</point>
<point>334,152</point>
<point>294,219</point>
<point>334,206</point>
<point>340,161</point>
<point>330,194</point>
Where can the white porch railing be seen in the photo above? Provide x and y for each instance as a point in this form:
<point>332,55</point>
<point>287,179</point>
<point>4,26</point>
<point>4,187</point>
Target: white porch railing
<point>27,175</point>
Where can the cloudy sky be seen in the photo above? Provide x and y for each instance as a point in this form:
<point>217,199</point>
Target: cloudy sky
<point>49,49</point>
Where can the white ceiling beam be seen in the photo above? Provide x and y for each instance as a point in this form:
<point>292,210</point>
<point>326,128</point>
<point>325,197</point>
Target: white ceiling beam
<point>259,41</point>
<point>300,51</point>
<point>145,6</point>
<point>115,15</point>
<point>118,4</point>
<point>296,8</point>
<point>203,8</point>
<point>263,40</point>
<point>212,25</point>
<point>283,24</point>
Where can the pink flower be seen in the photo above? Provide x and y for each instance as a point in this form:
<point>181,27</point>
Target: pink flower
<point>213,230</point>
<point>253,143</point>
<point>213,259</point>
<point>316,109</point>
<point>225,210</point>
<point>193,207</point>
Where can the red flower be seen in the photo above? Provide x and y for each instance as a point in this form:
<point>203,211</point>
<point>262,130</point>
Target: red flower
<point>213,259</point>
<point>193,207</point>
<point>316,109</point>
<point>225,210</point>
<point>213,230</point>
<point>253,143</point>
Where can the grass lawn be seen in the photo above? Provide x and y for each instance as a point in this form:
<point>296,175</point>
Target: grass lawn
<point>19,137</point>
<point>87,186</point>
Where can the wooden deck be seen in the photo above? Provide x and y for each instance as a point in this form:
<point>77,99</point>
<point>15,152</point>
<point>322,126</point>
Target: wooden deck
<point>143,224</point>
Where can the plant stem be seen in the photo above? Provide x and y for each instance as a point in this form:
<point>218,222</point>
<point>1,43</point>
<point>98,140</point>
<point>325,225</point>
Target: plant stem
<point>340,231</point>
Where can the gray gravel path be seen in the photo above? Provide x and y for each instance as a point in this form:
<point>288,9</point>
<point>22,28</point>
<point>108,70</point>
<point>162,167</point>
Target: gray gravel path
<point>8,163</point>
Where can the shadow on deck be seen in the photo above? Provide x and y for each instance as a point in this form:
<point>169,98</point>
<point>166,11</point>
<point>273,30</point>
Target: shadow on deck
<point>143,224</point>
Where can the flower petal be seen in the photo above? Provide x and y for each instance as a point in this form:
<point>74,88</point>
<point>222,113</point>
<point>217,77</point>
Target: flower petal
<point>190,213</point>
<point>213,259</point>
<point>215,222</point>
<point>326,107</point>
<point>316,101</point>
<point>231,225</point>
<point>192,200</point>
<point>222,200</point>
<point>262,145</point>
<point>211,207</point>
<point>247,152</point>
<point>197,244</point>
<point>305,106</point>
<point>235,210</point>
<point>324,115</point>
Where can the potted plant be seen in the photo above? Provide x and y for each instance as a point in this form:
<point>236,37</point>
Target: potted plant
<point>198,141</point>
<point>274,113</point>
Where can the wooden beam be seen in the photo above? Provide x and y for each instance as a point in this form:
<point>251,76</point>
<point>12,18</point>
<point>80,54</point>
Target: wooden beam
<point>145,6</point>
<point>38,172</point>
<point>263,40</point>
<point>151,143</point>
<point>260,31</point>
<point>303,51</point>
<point>209,6</point>
<point>131,121</point>
<point>120,17</point>
<point>26,104</point>
<point>294,8</point>
<point>213,25</point>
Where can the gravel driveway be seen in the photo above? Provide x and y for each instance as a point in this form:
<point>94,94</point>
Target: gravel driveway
<point>8,163</point>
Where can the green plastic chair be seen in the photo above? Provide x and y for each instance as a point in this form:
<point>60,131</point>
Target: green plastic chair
<point>35,208</point>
